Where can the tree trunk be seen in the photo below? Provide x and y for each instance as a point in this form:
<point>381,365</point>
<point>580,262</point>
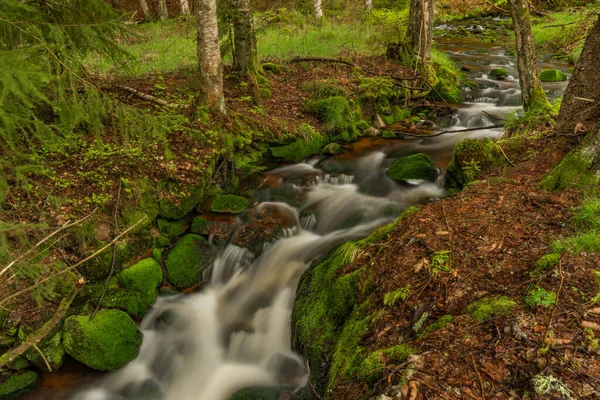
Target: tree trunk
<point>368,5</point>
<point>580,112</point>
<point>581,102</point>
<point>162,11</point>
<point>318,9</point>
<point>420,31</point>
<point>245,58</point>
<point>209,56</point>
<point>145,10</point>
<point>532,92</point>
<point>185,6</point>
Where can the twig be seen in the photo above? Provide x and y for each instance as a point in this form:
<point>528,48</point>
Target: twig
<point>562,279</point>
<point>149,97</point>
<point>114,254</point>
<point>43,357</point>
<point>456,131</point>
<point>505,156</point>
<point>311,384</point>
<point>71,268</point>
<point>321,59</point>
<point>45,330</point>
<point>478,376</point>
<point>38,244</point>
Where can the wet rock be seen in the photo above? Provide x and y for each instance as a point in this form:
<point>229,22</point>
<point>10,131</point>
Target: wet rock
<point>552,75</point>
<point>205,226</point>
<point>263,224</point>
<point>499,73</point>
<point>108,342</point>
<point>466,68</point>
<point>229,203</point>
<point>144,278</point>
<point>476,29</point>
<point>186,261</point>
<point>371,131</point>
<point>417,166</point>
<point>17,383</point>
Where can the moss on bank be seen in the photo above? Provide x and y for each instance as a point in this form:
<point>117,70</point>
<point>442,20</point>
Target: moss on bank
<point>300,149</point>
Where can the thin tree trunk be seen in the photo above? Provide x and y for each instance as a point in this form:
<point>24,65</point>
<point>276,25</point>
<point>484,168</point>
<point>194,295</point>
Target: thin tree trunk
<point>532,92</point>
<point>318,9</point>
<point>209,56</point>
<point>145,10</point>
<point>185,6</point>
<point>420,31</point>
<point>368,5</point>
<point>245,58</point>
<point>580,107</point>
<point>162,11</point>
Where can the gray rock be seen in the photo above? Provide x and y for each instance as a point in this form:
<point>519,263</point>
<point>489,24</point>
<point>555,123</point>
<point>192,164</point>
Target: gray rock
<point>371,131</point>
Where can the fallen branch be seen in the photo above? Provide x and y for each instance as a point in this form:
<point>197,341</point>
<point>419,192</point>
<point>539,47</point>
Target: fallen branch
<point>45,330</point>
<point>149,97</point>
<point>67,225</point>
<point>321,59</point>
<point>72,267</point>
<point>456,131</point>
<point>558,25</point>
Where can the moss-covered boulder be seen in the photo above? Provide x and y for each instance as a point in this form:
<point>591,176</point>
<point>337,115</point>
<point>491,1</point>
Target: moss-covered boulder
<point>108,342</point>
<point>471,157</point>
<point>143,277</point>
<point>229,203</point>
<point>498,73</point>
<point>172,228</point>
<point>204,226</point>
<point>175,201</point>
<point>417,166</point>
<point>53,350</point>
<point>186,261</point>
<point>552,75</point>
<point>15,384</point>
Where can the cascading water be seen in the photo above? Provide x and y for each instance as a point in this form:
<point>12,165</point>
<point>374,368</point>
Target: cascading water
<point>235,333</point>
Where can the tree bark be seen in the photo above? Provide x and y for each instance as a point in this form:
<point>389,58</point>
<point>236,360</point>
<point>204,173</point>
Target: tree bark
<point>532,93</point>
<point>185,6</point>
<point>368,5</point>
<point>145,10</point>
<point>245,58</point>
<point>318,9</point>
<point>162,11</point>
<point>420,31</point>
<point>580,107</point>
<point>209,56</point>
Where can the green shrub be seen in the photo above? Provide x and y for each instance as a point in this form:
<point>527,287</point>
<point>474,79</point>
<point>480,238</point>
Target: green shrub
<point>338,117</point>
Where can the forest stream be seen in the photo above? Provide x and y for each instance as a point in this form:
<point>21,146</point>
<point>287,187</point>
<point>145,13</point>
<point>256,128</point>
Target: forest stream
<point>235,332</point>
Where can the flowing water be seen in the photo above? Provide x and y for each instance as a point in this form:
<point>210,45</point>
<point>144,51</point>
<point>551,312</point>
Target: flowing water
<point>235,332</point>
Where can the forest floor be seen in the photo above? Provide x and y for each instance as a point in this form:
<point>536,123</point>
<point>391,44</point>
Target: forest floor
<point>493,232</point>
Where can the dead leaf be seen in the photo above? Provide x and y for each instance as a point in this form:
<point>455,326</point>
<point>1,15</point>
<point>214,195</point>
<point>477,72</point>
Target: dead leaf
<point>442,233</point>
<point>592,325</point>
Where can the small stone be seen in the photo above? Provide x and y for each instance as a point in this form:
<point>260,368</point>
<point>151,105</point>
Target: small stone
<point>378,122</point>
<point>371,131</point>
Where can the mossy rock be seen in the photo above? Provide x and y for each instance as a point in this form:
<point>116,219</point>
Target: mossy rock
<point>229,203</point>
<point>183,204</point>
<point>362,125</point>
<point>53,351</point>
<point>203,226</point>
<point>143,277</point>
<point>172,228</point>
<point>108,342</point>
<point>472,157</point>
<point>18,364</point>
<point>372,368</point>
<point>271,67</point>
<point>300,149</point>
<point>552,75</point>
<point>417,166</point>
<point>490,307</point>
<point>332,148</point>
<point>157,255</point>
<point>498,73</point>
<point>17,383</point>
<point>186,261</point>
<point>126,300</point>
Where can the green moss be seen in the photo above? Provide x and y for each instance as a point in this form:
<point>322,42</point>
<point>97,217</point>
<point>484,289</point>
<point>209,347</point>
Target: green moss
<point>332,148</point>
<point>186,261</point>
<point>265,93</point>
<point>547,261</point>
<point>337,115</point>
<point>162,241</point>
<point>271,67</point>
<point>180,201</point>
<point>417,166</point>
<point>391,298</point>
<point>362,125</point>
<point>470,158</point>
<point>143,277</point>
<point>372,368</point>
<point>17,383</point>
<point>440,323</point>
<point>107,342</point>
<point>126,300</point>
<point>229,203</point>
<point>387,134</point>
<point>172,228</point>
<point>552,75</point>
<point>300,148</point>
<point>490,307</point>
<point>157,255</point>
<point>498,73</point>
<point>52,349</point>
<point>570,169</point>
